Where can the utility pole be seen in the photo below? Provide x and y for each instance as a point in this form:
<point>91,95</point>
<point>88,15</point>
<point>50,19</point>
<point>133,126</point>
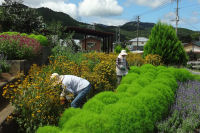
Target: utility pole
<point>138,21</point>
<point>119,34</point>
<point>177,17</point>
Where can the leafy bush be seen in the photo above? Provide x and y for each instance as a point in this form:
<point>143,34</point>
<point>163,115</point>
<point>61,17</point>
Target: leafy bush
<point>136,105</point>
<point>18,47</point>
<point>134,89</point>
<point>181,75</point>
<point>89,123</point>
<point>107,97</point>
<point>94,105</point>
<point>135,59</point>
<point>118,49</point>
<point>164,42</point>
<point>68,113</point>
<point>153,59</point>
<point>48,129</point>
<point>126,119</point>
<point>40,38</point>
<point>122,87</point>
<point>4,66</point>
<point>37,103</point>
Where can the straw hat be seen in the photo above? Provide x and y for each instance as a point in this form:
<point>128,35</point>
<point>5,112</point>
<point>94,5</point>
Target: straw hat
<point>56,78</point>
<point>123,52</point>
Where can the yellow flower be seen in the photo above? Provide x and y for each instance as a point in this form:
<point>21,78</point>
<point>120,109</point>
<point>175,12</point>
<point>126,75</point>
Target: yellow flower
<point>39,111</point>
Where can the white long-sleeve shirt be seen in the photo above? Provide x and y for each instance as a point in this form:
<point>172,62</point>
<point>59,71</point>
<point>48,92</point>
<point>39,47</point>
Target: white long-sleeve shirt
<point>72,84</point>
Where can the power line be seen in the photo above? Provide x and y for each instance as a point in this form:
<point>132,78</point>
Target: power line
<point>193,5</point>
<point>163,5</point>
<point>189,24</point>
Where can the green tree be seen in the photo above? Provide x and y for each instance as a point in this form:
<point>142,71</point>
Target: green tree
<point>164,42</point>
<point>17,17</point>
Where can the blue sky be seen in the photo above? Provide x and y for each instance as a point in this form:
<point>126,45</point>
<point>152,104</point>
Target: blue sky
<point>118,12</point>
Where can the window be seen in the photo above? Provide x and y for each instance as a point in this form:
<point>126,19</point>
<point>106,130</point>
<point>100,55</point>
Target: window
<point>91,44</point>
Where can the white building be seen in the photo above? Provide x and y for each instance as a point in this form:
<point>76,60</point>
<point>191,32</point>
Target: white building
<point>133,44</point>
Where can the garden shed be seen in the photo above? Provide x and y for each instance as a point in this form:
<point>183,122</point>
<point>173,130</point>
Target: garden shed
<point>106,36</point>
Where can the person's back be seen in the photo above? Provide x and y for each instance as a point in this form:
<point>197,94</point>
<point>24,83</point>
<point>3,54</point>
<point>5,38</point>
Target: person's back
<point>73,83</point>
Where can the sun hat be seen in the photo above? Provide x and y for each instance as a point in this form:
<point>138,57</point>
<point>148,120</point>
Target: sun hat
<point>56,78</point>
<point>123,52</point>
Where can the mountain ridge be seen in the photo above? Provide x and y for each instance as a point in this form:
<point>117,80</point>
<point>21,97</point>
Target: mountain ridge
<point>127,31</point>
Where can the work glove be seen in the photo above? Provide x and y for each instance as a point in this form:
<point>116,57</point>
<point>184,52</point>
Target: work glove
<point>69,96</point>
<point>62,100</point>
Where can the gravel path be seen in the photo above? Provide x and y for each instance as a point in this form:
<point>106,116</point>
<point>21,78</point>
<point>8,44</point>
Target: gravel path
<point>194,72</point>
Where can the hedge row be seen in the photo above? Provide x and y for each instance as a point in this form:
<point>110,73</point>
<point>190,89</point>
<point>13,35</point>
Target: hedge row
<point>40,38</point>
<point>143,98</point>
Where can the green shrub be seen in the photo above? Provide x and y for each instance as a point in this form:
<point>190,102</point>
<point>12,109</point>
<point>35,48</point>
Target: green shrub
<point>181,75</point>
<point>160,97</point>
<point>42,39</point>
<point>134,89</point>
<point>163,41</point>
<point>165,90</point>
<point>88,122</point>
<point>48,129</point>
<point>126,119</point>
<point>68,113</point>
<point>118,49</point>
<point>107,97</point>
<point>122,87</point>
<point>134,69</point>
<point>148,67</point>
<point>128,79</point>
<point>171,82</point>
<point>153,105</point>
<point>146,116</point>
<point>94,105</point>
<point>19,47</point>
<point>143,81</point>
<point>4,66</point>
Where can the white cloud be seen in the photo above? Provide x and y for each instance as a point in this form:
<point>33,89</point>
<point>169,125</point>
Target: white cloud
<point>99,8</point>
<point>148,3</point>
<point>37,3</point>
<point>56,5</point>
<point>109,21</point>
<point>169,18</point>
<point>61,6</point>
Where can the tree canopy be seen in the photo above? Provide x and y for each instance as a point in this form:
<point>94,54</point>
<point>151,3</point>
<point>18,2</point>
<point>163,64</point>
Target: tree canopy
<point>17,17</point>
<point>164,42</point>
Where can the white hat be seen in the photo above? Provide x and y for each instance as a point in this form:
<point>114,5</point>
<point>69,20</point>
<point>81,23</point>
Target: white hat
<point>123,52</point>
<point>56,78</point>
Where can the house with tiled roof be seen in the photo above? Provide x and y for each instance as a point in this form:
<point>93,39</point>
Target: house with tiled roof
<point>137,46</point>
<point>192,47</point>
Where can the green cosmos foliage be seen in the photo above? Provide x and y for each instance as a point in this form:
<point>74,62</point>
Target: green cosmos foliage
<point>139,102</point>
<point>67,115</point>
<point>48,129</point>
<point>164,42</point>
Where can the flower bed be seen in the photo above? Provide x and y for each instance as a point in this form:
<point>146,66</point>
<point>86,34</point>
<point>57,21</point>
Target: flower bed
<point>34,95</point>
<point>142,99</point>
<point>185,113</point>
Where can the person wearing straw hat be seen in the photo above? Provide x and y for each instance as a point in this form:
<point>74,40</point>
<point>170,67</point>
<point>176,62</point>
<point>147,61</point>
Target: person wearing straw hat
<point>121,66</point>
<point>72,86</point>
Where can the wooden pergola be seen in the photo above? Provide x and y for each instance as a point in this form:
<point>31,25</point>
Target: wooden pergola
<point>106,36</point>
